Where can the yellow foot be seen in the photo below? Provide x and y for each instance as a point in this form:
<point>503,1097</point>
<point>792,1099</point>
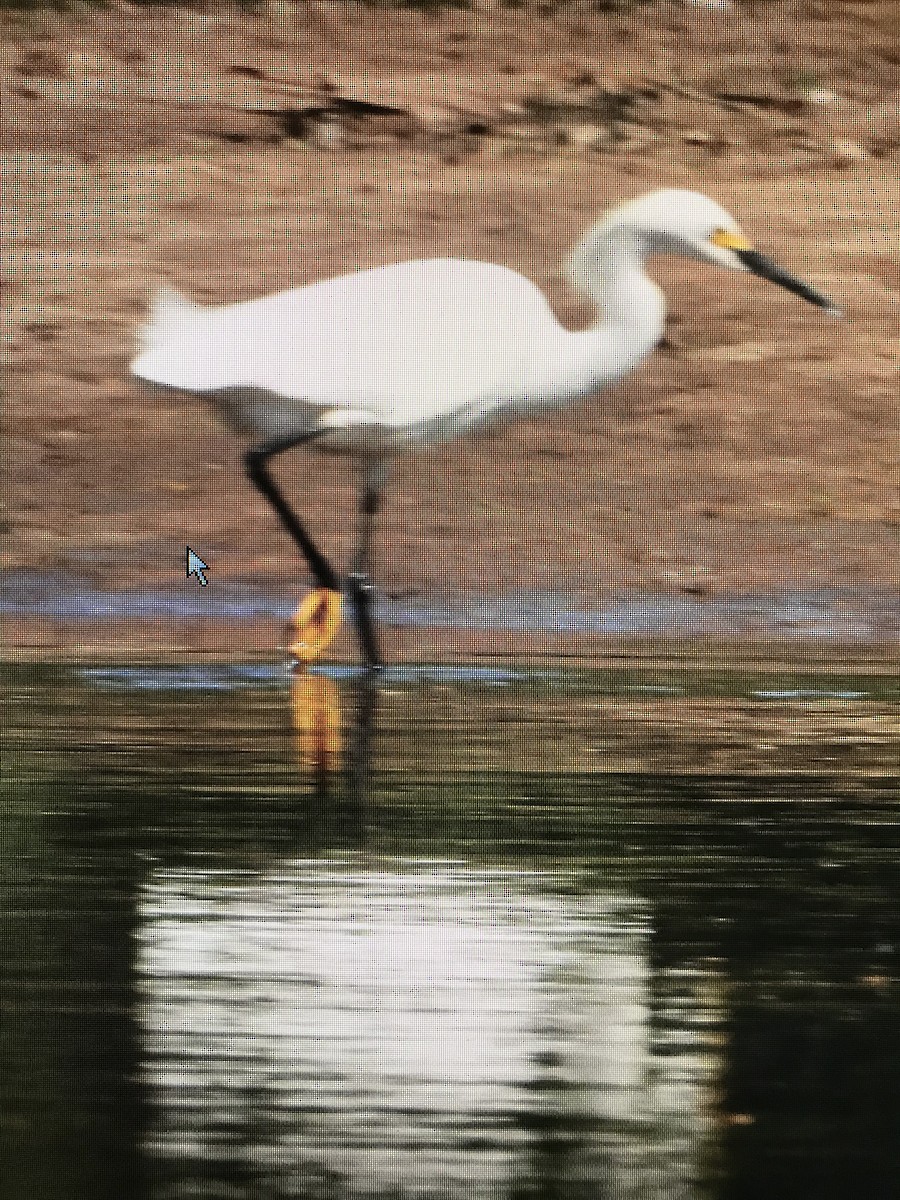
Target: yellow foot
<point>315,623</point>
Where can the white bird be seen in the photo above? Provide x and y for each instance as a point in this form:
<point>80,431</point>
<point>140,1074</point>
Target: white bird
<point>403,356</point>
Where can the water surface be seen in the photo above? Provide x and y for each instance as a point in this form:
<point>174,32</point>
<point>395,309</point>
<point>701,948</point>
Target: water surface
<point>491,932</point>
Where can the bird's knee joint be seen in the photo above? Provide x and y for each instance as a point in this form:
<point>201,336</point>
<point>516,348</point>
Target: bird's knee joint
<point>360,584</point>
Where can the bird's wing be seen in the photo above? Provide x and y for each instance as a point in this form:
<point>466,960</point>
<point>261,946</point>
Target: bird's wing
<point>408,342</point>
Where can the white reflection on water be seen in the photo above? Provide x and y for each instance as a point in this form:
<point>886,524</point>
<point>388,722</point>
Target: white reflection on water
<point>430,1029</point>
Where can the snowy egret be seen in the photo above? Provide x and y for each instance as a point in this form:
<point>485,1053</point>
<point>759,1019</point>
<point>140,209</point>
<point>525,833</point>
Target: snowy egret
<point>403,356</point>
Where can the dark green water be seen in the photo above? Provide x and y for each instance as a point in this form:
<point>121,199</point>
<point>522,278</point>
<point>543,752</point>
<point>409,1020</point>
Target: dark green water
<point>632,934</point>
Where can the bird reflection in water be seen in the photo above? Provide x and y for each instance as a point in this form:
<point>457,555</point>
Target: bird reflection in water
<point>326,747</point>
<point>351,1024</point>
<point>318,721</point>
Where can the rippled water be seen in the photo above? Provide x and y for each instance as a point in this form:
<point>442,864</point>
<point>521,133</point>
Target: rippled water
<point>490,932</point>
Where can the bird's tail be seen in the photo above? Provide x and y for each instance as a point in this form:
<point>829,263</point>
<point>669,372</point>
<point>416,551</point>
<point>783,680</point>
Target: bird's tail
<point>165,339</point>
<point>169,310</point>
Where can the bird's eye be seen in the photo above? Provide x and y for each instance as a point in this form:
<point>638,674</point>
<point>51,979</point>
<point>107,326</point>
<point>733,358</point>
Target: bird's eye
<point>727,239</point>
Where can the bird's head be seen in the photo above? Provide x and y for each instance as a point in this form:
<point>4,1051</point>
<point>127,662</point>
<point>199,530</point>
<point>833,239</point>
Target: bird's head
<point>676,221</point>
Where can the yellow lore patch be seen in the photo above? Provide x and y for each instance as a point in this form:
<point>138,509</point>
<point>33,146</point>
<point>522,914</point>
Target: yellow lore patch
<point>725,239</point>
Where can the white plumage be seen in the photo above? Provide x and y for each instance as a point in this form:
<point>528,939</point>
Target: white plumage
<point>419,349</point>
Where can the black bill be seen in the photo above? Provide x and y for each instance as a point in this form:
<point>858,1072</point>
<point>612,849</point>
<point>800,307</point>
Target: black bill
<point>765,268</point>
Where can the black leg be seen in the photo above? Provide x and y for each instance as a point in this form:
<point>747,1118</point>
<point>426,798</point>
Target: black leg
<point>359,584</point>
<point>256,461</point>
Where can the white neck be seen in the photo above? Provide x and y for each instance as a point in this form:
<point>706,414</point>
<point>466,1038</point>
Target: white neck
<point>608,266</point>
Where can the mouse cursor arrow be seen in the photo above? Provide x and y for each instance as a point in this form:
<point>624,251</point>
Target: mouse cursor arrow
<point>196,566</point>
